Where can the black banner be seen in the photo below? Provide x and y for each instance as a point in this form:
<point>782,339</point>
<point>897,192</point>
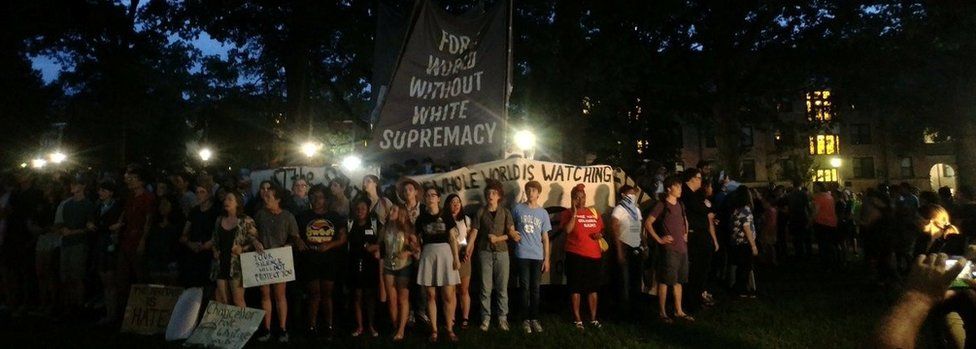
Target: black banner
<point>447,99</point>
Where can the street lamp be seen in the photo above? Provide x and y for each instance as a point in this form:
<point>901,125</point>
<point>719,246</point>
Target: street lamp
<point>205,154</point>
<point>835,162</point>
<point>310,148</point>
<point>524,140</point>
<point>38,163</point>
<point>57,157</point>
<point>352,163</point>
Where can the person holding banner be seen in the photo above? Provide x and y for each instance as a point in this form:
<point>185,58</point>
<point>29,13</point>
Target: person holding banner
<point>462,225</point>
<point>276,227</point>
<point>398,250</point>
<point>584,267</point>
<point>364,253</point>
<point>532,252</point>
<point>439,262</point>
<point>324,232</point>
<point>492,229</point>
<point>233,234</point>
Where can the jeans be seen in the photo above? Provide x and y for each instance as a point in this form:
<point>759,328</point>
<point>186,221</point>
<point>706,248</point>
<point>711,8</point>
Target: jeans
<point>494,276</point>
<point>530,273</point>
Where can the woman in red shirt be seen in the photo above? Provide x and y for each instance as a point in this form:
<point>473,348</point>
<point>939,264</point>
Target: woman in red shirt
<point>584,269</point>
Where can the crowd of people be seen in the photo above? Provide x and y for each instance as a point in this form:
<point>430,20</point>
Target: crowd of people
<point>74,244</point>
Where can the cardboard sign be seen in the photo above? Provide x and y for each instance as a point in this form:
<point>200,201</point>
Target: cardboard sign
<point>225,326</point>
<point>274,266</point>
<point>149,308</point>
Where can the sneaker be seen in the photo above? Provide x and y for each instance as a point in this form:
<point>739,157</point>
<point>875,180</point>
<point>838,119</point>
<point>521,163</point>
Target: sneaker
<point>503,324</point>
<point>484,325</point>
<point>283,338</point>
<point>536,326</point>
<point>527,326</point>
<point>423,318</point>
<point>266,336</point>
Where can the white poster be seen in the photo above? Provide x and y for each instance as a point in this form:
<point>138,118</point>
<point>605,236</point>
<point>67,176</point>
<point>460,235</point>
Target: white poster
<point>274,266</point>
<point>225,326</point>
<point>557,182</point>
<point>149,308</point>
<point>286,176</point>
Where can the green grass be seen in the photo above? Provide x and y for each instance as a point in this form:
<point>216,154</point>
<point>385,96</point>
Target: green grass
<point>800,307</point>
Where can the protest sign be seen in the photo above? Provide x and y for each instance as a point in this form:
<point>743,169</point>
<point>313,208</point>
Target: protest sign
<point>557,182</point>
<point>274,266</point>
<point>149,308</point>
<point>225,326</point>
<point>286,176</point>
<point>449,90</point>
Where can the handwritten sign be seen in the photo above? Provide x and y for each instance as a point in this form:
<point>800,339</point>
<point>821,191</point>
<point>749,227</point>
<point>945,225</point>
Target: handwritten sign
<point>225,326</point>
<point>149,308</point>
<point>274,266</point>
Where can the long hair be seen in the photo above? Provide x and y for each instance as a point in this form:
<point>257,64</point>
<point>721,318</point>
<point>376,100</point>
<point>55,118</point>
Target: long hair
<point>447,208</point>
<point>238,200</point>
<point>402,222</point>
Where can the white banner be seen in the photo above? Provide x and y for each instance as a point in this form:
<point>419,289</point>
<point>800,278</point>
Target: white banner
<point>274,266</point>
<point>225,326</point>
<point>286,176</point>
<point>557,182</point>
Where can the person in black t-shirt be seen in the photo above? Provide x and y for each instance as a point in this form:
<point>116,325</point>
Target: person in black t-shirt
<point>197,238</point>
<point>364,253</point>
<point>324,233</point>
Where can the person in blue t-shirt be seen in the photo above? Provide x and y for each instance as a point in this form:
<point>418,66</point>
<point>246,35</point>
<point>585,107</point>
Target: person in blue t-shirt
<point>531,252</point>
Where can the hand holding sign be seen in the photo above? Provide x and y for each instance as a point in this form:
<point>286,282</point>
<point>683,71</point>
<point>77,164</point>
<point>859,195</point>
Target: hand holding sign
<point>267,267</point>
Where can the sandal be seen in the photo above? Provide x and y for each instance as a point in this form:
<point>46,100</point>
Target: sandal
<point>453,337</point>
<point>398,338</point>
<point>685,317</point>
<point>666,319</point>
<point>433,338</point>
<point>464,324</point>
<point>357,333</point>
<point>596,324</point>
<point>579,325</point>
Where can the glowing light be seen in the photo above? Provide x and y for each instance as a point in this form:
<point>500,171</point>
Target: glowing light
<point>38,163</point>
<point>835,162</point>
<point>352,163</point>
<point>310,148</point>
<point>524,139</point>
<point>23,165</point>
<point>57,157</point>
<point>205,154</point>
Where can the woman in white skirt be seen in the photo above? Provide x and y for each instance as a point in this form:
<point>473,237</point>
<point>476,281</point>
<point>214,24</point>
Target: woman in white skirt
<point>439,263</point>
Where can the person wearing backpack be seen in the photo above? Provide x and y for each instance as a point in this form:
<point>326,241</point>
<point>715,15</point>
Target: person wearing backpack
<point>668,226</point>
<point>492,229</point>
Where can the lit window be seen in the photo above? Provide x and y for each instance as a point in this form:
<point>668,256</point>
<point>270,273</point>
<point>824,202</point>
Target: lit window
<point>907,168</point>
<point>819,107</point>
<point>824,144</point>
<point>825,175</point>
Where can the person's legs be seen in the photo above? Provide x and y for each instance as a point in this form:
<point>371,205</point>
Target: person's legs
<point>220,296</point>
<point>678,310</point>
<point>523,277</point>
<point>500,279</point>
<point>575,302</point>
<point>327,288</point>
<point>431,292</point>
<point>403,293</point>
<point>357,310</point>
<point>592,297</point>
<point>281,301</point>
<point>448,293</point>
<point>393,300</point>
<point>314,301</point>
<point>535,277</point>
<point>662,299</point>
<point>484,257</point>
<point>266,305</point>
<point>369,300</point>
<point>464,296</point>
<point>237,292</point>
<point>108,289</point>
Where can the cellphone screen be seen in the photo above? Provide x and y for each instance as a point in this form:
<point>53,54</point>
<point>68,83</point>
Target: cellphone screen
<point>967,273</point>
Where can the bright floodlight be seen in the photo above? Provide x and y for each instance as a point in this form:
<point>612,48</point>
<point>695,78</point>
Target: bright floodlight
<point>310,148</point>
<point>205,154</point>
<point>57,157</point>
<point>525,139</point>
<point>23,165</point>
<point>38,163</point>
<point>835,162</point>
<point>351,163</point>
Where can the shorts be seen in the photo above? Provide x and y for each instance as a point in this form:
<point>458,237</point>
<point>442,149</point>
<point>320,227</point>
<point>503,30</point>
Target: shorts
<point>74,260</point>
<point>673,268</point>
<point>319,266</point>
<point>583,275</point>
<point>401,277</point>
